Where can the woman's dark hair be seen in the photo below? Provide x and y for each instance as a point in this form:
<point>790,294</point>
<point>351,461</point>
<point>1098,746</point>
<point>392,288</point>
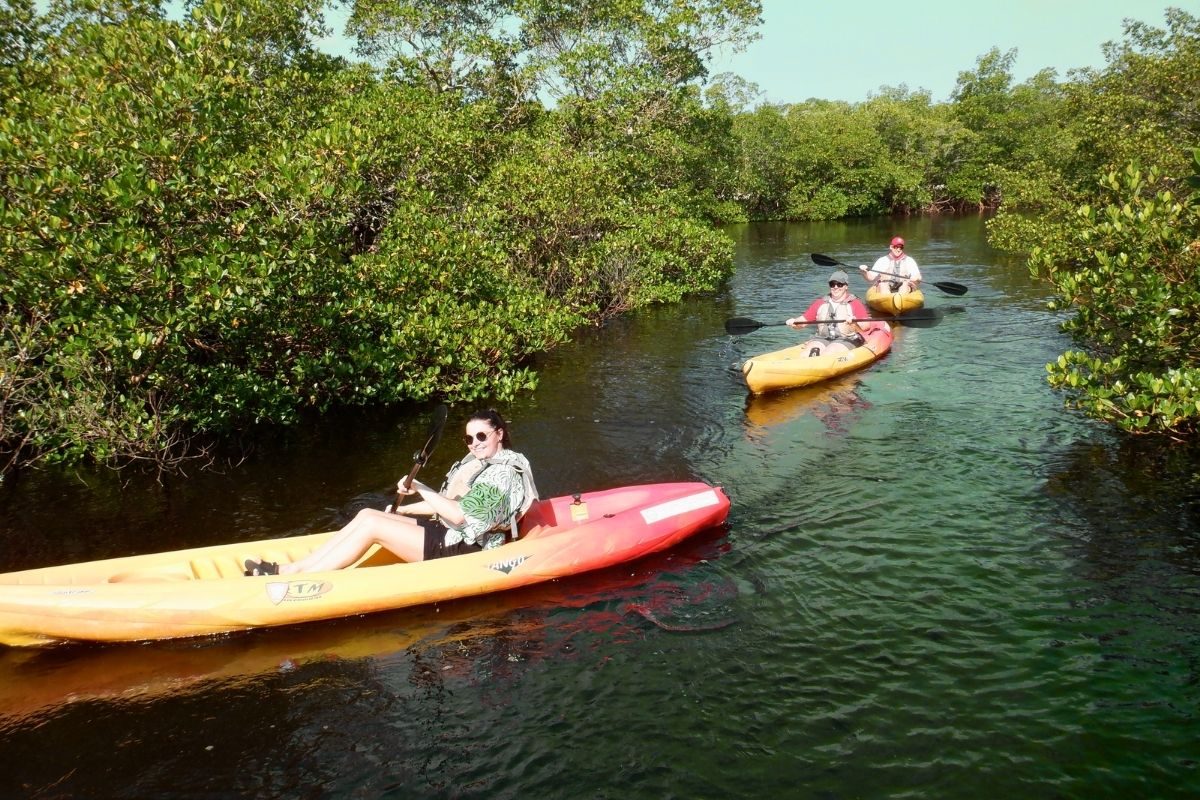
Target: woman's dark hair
<point>492,417</point>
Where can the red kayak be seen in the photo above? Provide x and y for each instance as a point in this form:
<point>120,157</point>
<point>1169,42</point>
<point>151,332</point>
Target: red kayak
<point>203,591</point>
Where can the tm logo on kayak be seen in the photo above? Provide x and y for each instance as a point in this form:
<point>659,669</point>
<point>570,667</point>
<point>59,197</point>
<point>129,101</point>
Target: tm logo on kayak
<point>297,590</point>
<point>508,566</point>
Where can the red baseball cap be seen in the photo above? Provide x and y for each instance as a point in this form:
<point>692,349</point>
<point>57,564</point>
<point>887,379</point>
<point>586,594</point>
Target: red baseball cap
<point>897,241</point>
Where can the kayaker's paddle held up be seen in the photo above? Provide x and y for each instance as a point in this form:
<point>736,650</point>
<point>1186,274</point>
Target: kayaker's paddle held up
<point>421,457</point>
<point>949,287</point>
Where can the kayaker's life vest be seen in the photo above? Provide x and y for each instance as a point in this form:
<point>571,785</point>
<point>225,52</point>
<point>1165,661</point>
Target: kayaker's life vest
<point>829,312</point>
<point>471,468</point>
<point>900,269</point>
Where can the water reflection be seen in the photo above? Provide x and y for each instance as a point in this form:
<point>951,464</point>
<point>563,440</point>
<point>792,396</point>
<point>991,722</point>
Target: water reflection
<point>386,688</point>
<point>671,590</point>
<point>835,403</point>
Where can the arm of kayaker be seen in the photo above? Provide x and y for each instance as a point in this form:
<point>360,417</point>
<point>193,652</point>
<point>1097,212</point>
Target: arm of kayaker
<point>914,274</point>
<point>449,510</point>
<point>857,311</point>
<point>808,317</point>
<point>417,509</point>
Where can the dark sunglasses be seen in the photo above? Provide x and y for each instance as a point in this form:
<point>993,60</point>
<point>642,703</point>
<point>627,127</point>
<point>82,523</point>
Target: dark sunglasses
<point>479,437</point>
<point>897,247</point>
<point>836,284</point>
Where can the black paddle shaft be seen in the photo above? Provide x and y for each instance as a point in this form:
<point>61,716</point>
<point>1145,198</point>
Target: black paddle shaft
<point>949,287</point>
<point>919,318</point>
<point>422,456</point>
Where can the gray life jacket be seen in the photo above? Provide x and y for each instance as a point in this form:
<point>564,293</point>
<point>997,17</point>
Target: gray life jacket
<point>830,312</point>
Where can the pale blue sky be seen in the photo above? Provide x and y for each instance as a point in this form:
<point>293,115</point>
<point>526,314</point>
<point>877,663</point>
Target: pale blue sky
<point>848,49</point>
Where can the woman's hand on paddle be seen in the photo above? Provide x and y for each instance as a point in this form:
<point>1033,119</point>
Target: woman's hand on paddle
<point>796,322</point>
<point>416,487</point>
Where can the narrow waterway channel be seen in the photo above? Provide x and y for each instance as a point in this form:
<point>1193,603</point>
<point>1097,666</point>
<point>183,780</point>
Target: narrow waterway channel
<point>935,582</point>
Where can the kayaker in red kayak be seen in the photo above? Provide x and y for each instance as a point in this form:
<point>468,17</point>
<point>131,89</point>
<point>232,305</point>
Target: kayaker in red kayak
<point>483,496</point>
<point>833,336</point>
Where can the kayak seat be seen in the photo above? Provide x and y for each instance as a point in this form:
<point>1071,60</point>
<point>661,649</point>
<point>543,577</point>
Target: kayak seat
<point>538,518</point>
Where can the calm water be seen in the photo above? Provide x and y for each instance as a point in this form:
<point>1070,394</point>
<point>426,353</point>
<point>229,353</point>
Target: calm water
<point>935,582</point>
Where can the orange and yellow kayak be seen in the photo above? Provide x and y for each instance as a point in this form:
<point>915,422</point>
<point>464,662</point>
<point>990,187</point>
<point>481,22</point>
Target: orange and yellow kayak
<point>792,367</point>
<point>203,591</point>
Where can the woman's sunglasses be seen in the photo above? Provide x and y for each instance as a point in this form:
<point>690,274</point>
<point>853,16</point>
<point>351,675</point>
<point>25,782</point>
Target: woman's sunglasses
<point>835,284</point>
<point>479,437</point>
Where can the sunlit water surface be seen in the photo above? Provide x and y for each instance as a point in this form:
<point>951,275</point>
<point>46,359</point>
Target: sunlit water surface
<point>935,582</point>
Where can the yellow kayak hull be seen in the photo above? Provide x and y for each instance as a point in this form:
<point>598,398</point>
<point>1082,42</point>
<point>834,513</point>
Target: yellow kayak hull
<point>203,591</point>
<point>793,367</point>
<point>885,302</point>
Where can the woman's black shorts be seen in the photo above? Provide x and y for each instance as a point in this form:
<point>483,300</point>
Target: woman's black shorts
<point>435,541</point>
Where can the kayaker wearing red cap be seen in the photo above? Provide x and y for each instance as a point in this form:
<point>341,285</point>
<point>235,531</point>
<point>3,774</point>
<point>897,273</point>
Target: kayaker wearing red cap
<point>886,269</point>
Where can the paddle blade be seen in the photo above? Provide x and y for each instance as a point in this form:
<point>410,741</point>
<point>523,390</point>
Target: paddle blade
<point>739,325</point>
<point>435,434</point>
<point>950,287</point>
<point>825,261</point>
<point>920,318</point>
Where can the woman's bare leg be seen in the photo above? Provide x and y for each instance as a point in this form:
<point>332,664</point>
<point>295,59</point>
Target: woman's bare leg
<point>399,534</point>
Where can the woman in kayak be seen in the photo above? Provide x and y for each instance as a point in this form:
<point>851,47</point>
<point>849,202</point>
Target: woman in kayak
<point>835,315</point>
<point>479,504</point>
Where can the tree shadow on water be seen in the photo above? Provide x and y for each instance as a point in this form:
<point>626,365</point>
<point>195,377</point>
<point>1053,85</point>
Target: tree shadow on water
<point>1131,501</point>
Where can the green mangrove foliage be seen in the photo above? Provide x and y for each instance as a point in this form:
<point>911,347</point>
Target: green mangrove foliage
<point>897,152</point>
<point>1113,224</point>
<point>1129,268</point>
<point>205,224</point>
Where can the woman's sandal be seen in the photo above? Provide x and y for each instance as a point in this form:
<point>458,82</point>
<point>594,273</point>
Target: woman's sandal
<point>256,568</point>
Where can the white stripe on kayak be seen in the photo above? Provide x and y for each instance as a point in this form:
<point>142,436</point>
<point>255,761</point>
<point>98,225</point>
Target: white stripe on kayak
<point>681,506</point>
